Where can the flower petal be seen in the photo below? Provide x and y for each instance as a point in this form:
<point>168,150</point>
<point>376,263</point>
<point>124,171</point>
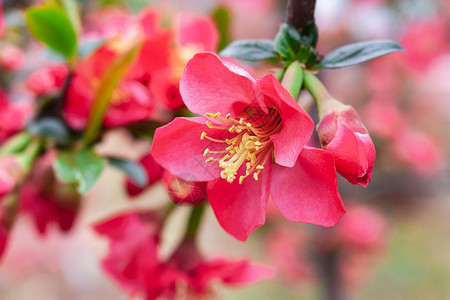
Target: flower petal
<point>178,148</point>
<point>240,208</point>
<point>297,124</point>
<point>312,196</point>
<point>196,30</point>
<point>210,85</point>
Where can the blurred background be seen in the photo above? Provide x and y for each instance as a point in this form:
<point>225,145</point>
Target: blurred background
<point>394,241</point>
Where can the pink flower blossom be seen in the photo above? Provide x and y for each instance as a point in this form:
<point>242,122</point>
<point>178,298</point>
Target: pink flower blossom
<point>11,57</point>
<point>342,132</point>
<point>46,200</point>
<point>250,122</point>
<point>13,115</point>
<point>12,171</point>
<point>133,261</point>
<point>47,80</point>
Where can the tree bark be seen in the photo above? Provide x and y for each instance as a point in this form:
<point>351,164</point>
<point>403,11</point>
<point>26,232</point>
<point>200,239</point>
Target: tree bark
<point>300,12</point>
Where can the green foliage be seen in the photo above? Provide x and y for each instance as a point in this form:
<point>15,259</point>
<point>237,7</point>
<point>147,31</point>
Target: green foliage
<point>222,18</point>
<point>52,27</point>
<point>51,128</point>
<point>356,53</point>
<point>134,170</point>
<point>251,50</point>
<point>82,167</point>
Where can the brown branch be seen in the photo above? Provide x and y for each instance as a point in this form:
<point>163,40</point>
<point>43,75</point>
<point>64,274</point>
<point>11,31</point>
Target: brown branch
<point>300,12</point>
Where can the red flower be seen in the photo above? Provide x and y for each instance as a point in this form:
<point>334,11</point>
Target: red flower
<point>154,173</point>
<point>249,123</point>
<point>47,80</point>
<point>134,262</point>
<point>46,200</point>
<point>13,115</point>
<point>342,133</point>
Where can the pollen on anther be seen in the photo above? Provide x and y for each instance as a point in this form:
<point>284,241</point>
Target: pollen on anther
<point>217,114</point>
<point>209,125</point>
<point>255,176</point>
<point>232,128</point>
<point>202,137</point>
<point>259,167</point>
<point>228,116</point>
<point>210,115</point>
<point>241,179</point>
<point>209,159</point>
<point>206,152</point>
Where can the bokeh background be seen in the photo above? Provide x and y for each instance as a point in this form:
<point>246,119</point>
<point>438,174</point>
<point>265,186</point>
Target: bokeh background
<point>402,246</point>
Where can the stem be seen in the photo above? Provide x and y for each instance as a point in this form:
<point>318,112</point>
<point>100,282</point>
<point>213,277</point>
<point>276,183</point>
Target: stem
<point>300,12</point>
<point>194,220</point>
<point>330,272</point>
<point>293,79</point>
<point>15,143</point>
<point>28,156</point>
<point>317,90</point>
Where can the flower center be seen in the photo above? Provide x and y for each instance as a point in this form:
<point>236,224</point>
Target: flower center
<point>251,144</point>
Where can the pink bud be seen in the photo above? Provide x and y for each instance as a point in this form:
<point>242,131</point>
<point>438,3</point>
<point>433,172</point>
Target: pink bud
<point>47,80</point>
<point>342,133</point>
<point>11,57</point>
<point>182,191</point>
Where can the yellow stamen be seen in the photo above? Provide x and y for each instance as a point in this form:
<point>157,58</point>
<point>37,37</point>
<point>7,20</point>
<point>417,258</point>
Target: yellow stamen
<point>210,115</point>
<point>209,159</point>
<point>255,176</point>
<point>202,137</point>
<point>232,128</point>
<point>241,179</point>
<point>259,167</point>
<point>209,125</point>
<point>227,116</point>
<point>217,114</point>
<point>206,152</point>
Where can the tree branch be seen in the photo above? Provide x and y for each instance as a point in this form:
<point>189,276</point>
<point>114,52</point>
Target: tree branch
<point>300,12</point>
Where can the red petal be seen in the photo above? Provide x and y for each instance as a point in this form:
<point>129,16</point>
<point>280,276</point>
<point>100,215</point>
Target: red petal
<point>209,85</point>
<point>308,191</point>
<point>177,147</point>
<point>240,208</point>
<point>193,30</point>
<point>297,124</point>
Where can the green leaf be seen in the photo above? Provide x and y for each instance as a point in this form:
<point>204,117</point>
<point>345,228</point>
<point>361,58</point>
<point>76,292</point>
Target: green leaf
<point>222,18</point>
<point>51,26</point>
<point>134,170</point>
<point>82,167</point>
<point>353,54</point>
<point>287,42</point>
<point>51,128</point>
<point>309,35</point>
<point>251,50</point>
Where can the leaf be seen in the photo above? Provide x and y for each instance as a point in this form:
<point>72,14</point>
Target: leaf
<point>287,41</point>
<point>52,27</point>
<point>356,53</point>
<point>110,79</point>
<point>251,50</point>
<point>52,128</point>
<point>82,167</point>
<point>309,35</point>
<point>134,170</point>
<point>222,18</point>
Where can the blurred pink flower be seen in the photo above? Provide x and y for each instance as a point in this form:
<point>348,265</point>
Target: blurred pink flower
<point>11,57</point>
<point>383,119</point>
<point>134,262</point>
<point>13,115</point>
<point>11,172</point>
<point>254,120</point>
<point>47,80</point>
<point>45,199</point>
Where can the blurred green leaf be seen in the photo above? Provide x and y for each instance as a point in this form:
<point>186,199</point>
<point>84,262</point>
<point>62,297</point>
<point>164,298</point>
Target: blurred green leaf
<point>51,26</point>
<point>134,170</point>
<point>51,128</point>
<point>82,167</point>
<point>309,35</point>
<point>251,50</point>
<point>356,53</point>
<point>222,18</point>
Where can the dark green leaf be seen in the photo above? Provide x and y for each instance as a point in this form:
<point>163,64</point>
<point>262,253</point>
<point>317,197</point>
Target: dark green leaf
<point>251,50</point>
<point>51,128</point>
<point>134,170</point>
<point>82,167</point>
<point>353,54</point>
<point>309,35</point>
<point>52,27</point>
<point>222,18</point>
<point>287,42</point>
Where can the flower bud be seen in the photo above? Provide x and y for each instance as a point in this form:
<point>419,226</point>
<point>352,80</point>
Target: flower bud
<point>182,191</point>
<point>342,133</point>
<point>47,80</point>
<point>11,172</point>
